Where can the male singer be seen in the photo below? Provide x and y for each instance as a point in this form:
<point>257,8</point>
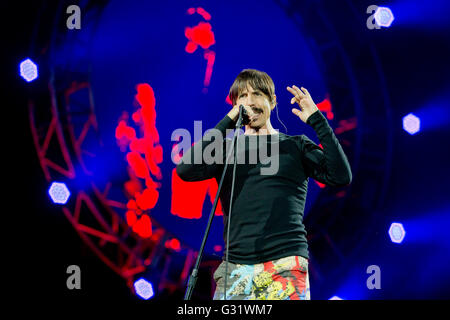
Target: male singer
<point>268,250</point>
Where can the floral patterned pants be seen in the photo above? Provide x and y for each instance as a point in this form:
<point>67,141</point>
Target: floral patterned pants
<point>282,279</point>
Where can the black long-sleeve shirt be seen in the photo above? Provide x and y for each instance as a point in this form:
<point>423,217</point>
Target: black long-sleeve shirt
<point>267,213</point>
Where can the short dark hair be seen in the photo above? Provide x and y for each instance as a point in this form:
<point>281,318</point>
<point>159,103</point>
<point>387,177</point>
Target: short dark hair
<point>259,80</point>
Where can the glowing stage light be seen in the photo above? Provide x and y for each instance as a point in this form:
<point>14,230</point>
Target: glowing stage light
<point>144,289</point>
<point>397,232</point>
<point>59,193</point>
<point>28,70</point>
<point>335,298</point>
<point>384,17</point>
<point>411,124</point>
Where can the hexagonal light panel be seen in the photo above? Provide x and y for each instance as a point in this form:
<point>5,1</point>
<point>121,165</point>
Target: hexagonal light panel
<point>59,193</point>
<point>397,232</point>
<point>411,124</point>
<point>28,70</point>
<point>384,17</point>
<point>143,288</point>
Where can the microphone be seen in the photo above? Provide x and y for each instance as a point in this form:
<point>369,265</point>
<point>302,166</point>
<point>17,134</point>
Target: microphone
<point>245,117</point>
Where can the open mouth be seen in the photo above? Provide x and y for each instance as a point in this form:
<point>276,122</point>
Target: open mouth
<point>256,114</point>
<point>257,110</point>
<point>254,117</point>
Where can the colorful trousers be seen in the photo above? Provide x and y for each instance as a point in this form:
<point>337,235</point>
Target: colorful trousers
<point>282,279</point>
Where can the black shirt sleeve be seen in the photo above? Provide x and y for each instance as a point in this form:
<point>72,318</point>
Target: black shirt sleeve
<point>191,169</point>
<point>330,165</point>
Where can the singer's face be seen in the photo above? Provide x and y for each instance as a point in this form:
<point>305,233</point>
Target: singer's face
<point>258,102</point>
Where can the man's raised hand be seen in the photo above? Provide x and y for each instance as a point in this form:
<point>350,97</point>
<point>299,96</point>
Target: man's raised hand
<point>304,101</point>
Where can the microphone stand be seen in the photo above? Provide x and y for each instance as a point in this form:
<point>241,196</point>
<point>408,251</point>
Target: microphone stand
<point>193,278</point>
